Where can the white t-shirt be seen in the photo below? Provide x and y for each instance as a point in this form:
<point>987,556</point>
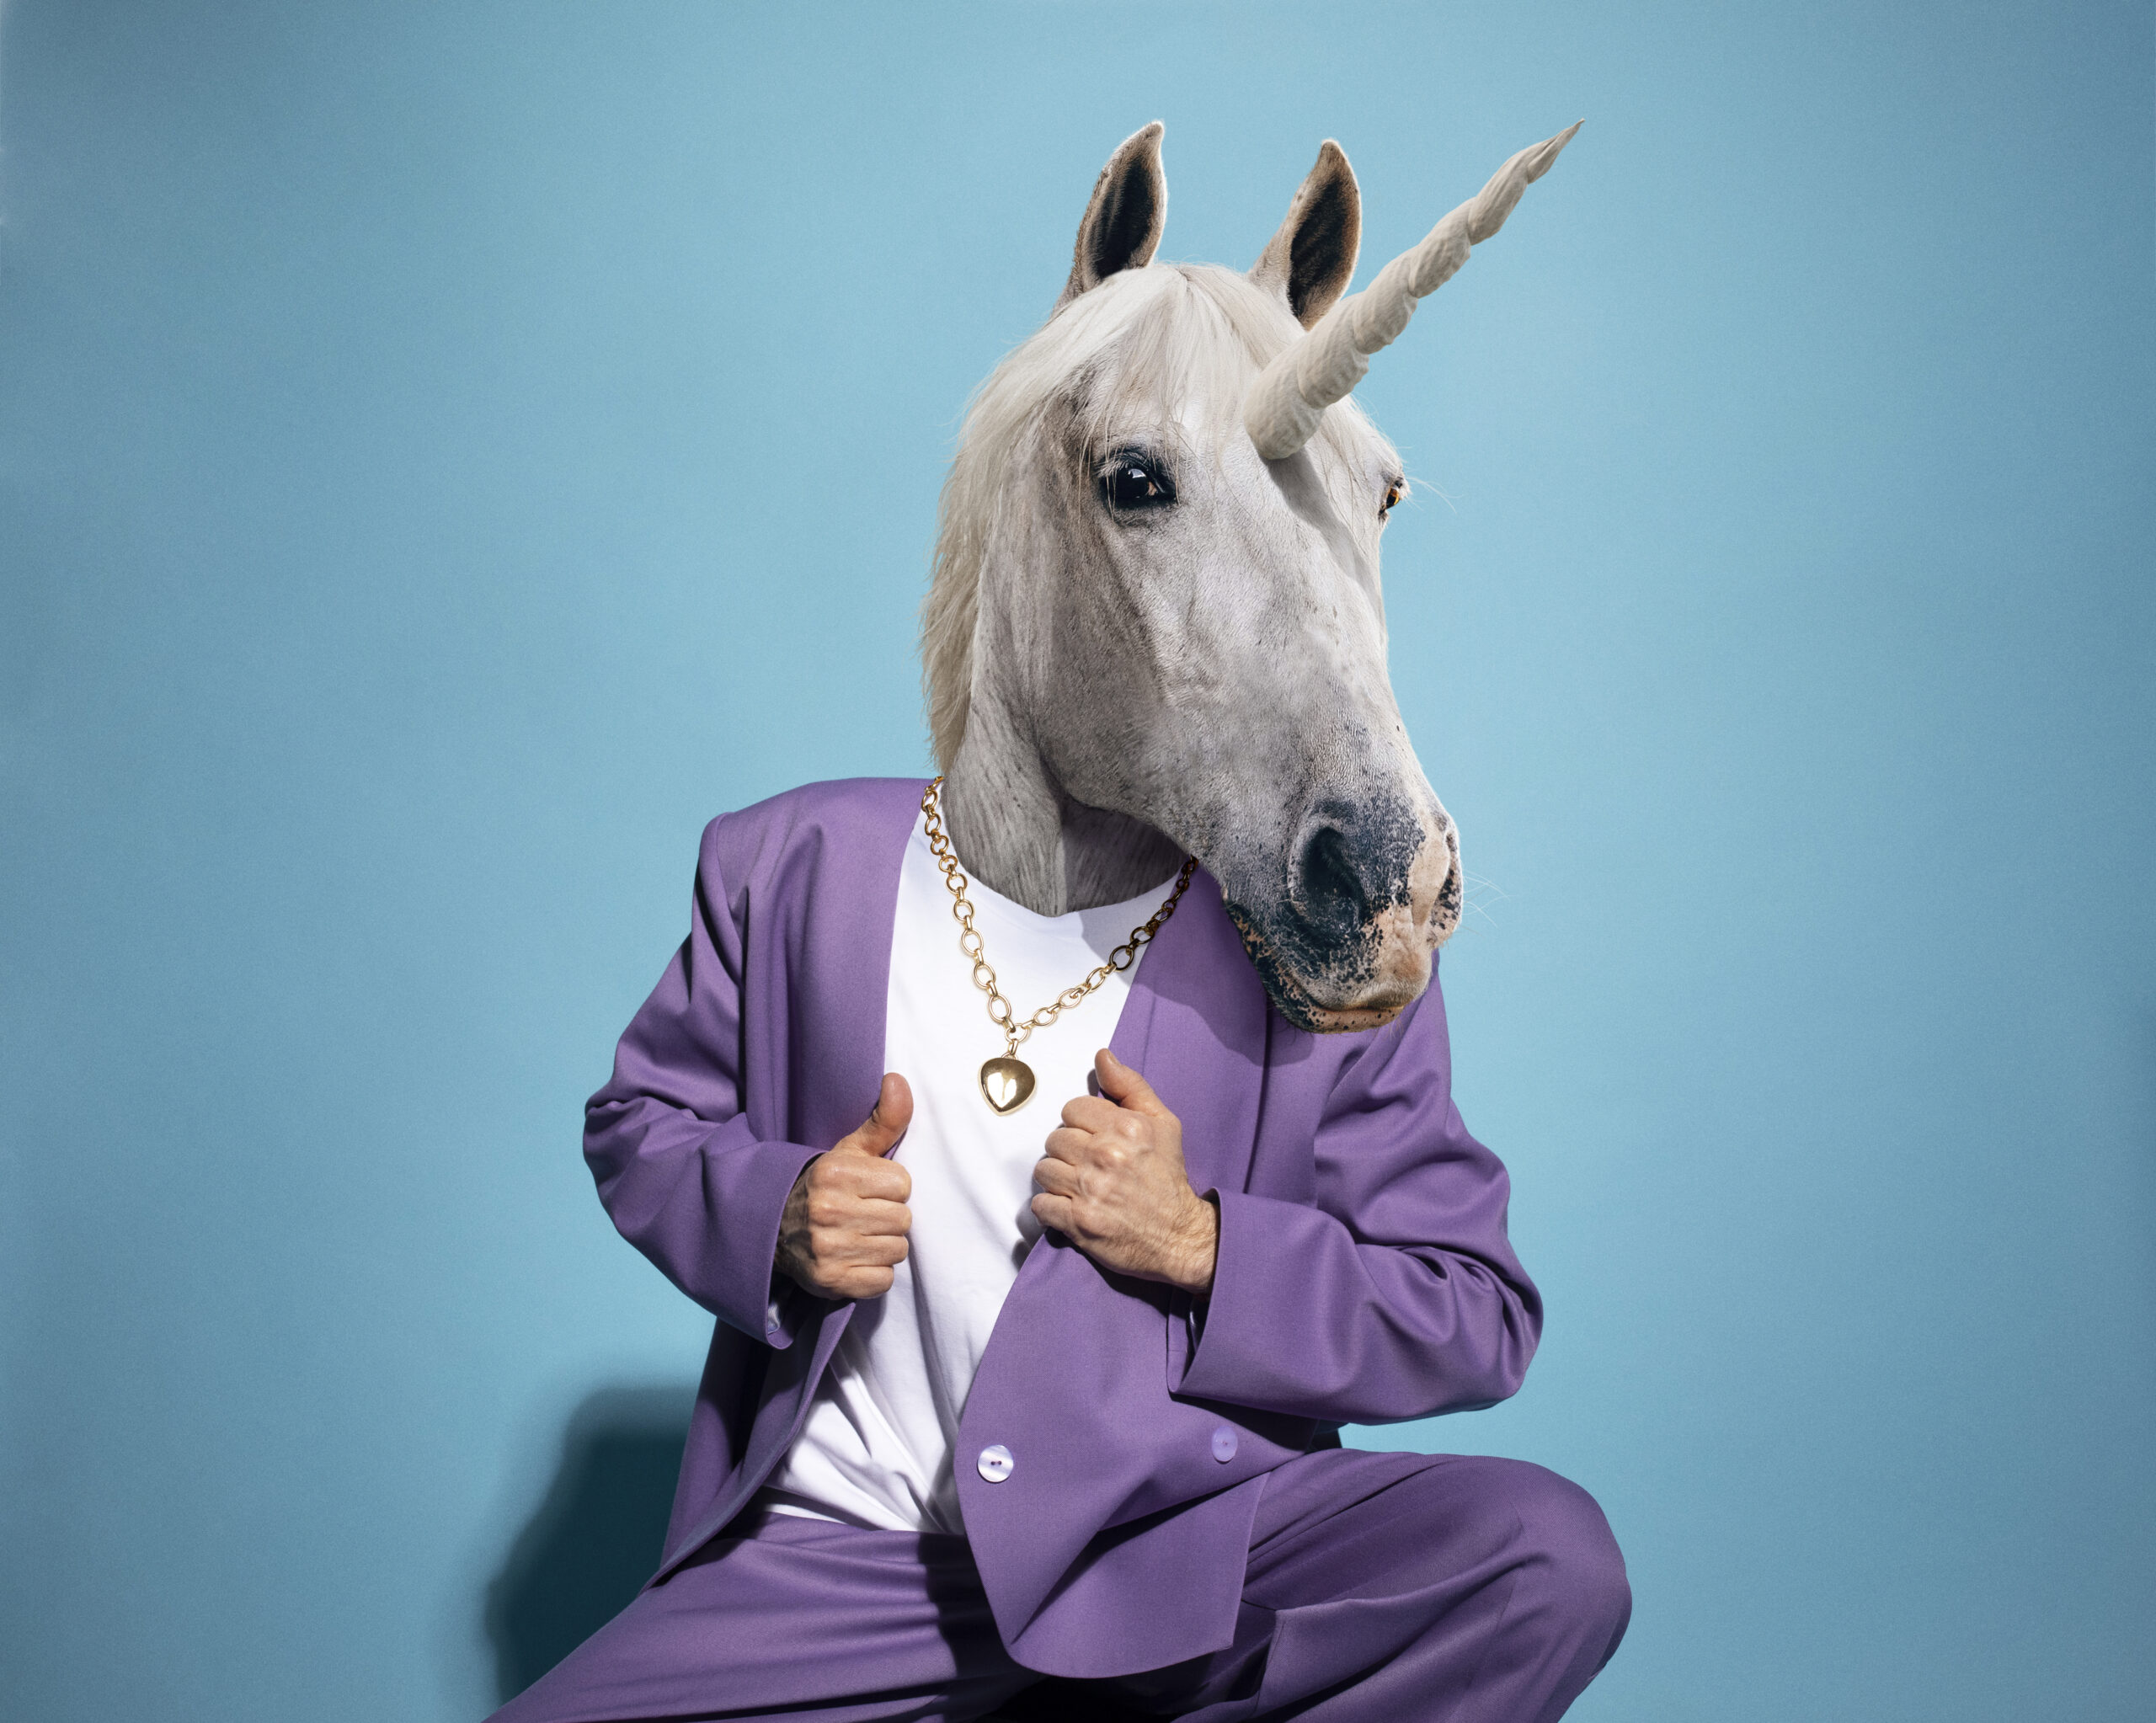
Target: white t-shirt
<point>876,1450</point>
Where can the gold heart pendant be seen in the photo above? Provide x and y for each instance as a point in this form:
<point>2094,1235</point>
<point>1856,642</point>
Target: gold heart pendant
<point>1007,1084</point>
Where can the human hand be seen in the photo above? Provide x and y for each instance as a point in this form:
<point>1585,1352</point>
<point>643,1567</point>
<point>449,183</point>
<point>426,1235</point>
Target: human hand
<point>845,1220</point>
<point>1113,1183</point>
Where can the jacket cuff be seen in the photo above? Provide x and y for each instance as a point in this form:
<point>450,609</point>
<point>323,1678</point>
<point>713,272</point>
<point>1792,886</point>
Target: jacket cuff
<point>764,1301</point>
<point>1232,1342</point>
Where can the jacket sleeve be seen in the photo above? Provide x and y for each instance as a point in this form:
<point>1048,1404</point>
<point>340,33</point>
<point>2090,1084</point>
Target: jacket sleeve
<point>684,1176</point>
<point>1394,1295</point>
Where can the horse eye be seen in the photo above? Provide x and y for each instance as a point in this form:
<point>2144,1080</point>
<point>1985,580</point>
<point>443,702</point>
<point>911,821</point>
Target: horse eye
<point>1131,482</point>
<point>1394,492</point>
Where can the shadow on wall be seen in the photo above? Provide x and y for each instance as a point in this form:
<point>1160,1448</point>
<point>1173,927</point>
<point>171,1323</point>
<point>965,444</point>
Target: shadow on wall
<point>595,1538</point>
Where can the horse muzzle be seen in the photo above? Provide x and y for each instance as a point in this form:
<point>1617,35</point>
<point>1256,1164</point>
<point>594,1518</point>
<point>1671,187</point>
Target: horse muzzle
<point>1369,895</point>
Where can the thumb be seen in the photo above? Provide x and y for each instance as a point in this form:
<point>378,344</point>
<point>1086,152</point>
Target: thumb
<point>887,1120</point>
<point>1126,1088</point>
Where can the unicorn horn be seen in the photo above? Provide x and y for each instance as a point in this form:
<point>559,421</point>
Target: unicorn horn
<point>1290,396</point>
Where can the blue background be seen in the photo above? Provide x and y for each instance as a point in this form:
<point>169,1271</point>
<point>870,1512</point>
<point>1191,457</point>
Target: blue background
<point>447,453</point>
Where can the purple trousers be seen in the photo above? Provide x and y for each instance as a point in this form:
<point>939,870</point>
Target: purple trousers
<point>1380,1588</point>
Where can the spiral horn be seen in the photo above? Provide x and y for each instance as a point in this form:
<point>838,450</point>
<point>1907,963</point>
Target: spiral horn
<point>1284,405</point>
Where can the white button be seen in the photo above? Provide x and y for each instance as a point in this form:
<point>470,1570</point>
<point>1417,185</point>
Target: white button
<point>995,1463</point>
<point>1224,1444</point>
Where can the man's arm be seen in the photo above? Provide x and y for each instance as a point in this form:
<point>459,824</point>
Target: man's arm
<point>690,1184</point>
<point>1394,1295</point>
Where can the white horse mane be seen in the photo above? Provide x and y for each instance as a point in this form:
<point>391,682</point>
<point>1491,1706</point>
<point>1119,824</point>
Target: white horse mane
<point>1181,343</point>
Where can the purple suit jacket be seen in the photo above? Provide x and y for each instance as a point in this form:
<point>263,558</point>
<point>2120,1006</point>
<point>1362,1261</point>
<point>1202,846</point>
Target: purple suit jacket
<point>1363,1276</point>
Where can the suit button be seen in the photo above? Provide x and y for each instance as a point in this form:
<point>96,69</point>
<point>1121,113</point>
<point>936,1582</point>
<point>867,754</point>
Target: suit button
<point>1224,1444</point>
<point>995,1463</point>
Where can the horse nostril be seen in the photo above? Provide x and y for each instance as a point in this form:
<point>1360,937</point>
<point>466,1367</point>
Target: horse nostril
<point>1331,893</point>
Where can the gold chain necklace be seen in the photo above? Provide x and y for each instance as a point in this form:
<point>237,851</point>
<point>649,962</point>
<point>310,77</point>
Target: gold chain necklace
<point>1007,1082</point>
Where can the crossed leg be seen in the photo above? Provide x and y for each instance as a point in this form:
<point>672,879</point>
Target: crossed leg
<point>1381,1588</point>
<point>1396,1587</point>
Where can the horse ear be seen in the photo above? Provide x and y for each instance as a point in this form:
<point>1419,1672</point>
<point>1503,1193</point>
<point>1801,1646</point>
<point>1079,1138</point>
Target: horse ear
<point>1122,222</point>
<point>1312,257</point>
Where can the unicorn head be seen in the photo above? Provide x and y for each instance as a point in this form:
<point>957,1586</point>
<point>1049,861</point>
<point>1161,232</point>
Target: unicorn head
<point>1156,623</point>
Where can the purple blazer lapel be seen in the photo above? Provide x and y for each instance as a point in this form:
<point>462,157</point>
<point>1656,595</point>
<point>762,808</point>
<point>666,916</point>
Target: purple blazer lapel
<point>836,914</point>
<point>1195,1028</point>
<point>818,931</point>
<point>1076,1377</point>
<point>827,960</point>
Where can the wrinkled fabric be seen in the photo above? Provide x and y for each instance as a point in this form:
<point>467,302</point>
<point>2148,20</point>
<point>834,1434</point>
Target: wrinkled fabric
<point>1379,1588</point>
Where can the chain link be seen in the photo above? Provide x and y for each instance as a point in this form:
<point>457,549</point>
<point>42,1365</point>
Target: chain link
<point>1016,1029</point>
